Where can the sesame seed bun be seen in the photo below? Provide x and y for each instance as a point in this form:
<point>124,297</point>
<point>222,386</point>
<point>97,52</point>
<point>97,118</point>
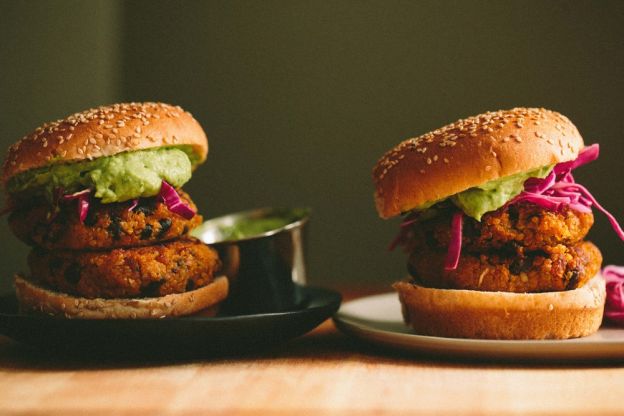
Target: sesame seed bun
<point>106,131</point>
<point>471,152</point>
<point>503,315</point>
<point>36,299</point>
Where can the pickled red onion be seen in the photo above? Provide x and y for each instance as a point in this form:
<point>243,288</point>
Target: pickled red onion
<point>454,248</point>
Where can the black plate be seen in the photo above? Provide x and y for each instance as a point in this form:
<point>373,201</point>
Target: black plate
<point>178,336</point>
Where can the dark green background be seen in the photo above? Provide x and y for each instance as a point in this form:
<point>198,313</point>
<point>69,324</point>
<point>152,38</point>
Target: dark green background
<point>300,99</point>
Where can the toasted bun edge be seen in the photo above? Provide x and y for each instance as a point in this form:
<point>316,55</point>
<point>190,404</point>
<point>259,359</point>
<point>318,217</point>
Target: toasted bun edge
<point>33,298</point>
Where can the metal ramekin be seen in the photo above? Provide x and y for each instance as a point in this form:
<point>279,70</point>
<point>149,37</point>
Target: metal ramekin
<point>264,269</point>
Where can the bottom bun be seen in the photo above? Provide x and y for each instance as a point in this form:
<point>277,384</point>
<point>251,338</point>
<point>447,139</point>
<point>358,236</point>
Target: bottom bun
<point>503,315</point>
<point>36,299</point>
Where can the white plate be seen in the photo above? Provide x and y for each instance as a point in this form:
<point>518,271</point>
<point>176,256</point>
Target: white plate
<point>377,319</point>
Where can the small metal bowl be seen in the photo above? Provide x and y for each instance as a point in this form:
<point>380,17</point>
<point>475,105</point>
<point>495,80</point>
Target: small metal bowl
<point>265,263</point>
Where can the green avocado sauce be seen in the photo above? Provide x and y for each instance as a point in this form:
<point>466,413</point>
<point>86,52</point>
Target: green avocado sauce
<point>243,227</point>
<point>492,195</point>
<point>251,227</point>
<point>115,178</point>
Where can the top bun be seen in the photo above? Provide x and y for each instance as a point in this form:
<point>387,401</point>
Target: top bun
<point>471,152</point>
<point>106,131</point>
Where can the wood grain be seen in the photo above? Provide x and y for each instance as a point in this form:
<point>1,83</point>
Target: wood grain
<point>323,372</point>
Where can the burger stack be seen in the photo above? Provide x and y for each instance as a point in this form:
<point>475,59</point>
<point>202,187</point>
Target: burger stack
<point>97,195</point>
<point>495,227</point>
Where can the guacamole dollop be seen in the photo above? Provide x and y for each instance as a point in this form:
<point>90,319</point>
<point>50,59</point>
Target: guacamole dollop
<point>488,197</point>
<point>115,178</point>
<point>494,194</point>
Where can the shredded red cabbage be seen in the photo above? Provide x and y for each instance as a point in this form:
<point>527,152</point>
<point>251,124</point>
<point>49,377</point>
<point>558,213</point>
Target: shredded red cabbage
<point>133,204</point>
<point>83,202</point>
<point>173,201</point>
<point>614,307</point>
<point>454,248</point>
<point>558,190</point>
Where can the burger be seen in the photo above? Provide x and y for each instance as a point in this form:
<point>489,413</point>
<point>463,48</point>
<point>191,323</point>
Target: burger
<point>98,197</point>
<point>495,228</point>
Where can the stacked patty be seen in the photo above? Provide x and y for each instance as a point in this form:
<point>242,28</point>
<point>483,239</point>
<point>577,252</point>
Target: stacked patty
<point>518,248</point>
<point>120,250</point>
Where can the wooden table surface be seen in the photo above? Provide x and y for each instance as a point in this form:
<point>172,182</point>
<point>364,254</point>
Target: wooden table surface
<point>323,372</point>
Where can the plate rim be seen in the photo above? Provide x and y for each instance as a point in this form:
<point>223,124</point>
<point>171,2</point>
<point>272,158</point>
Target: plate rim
<point>323,303</point>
